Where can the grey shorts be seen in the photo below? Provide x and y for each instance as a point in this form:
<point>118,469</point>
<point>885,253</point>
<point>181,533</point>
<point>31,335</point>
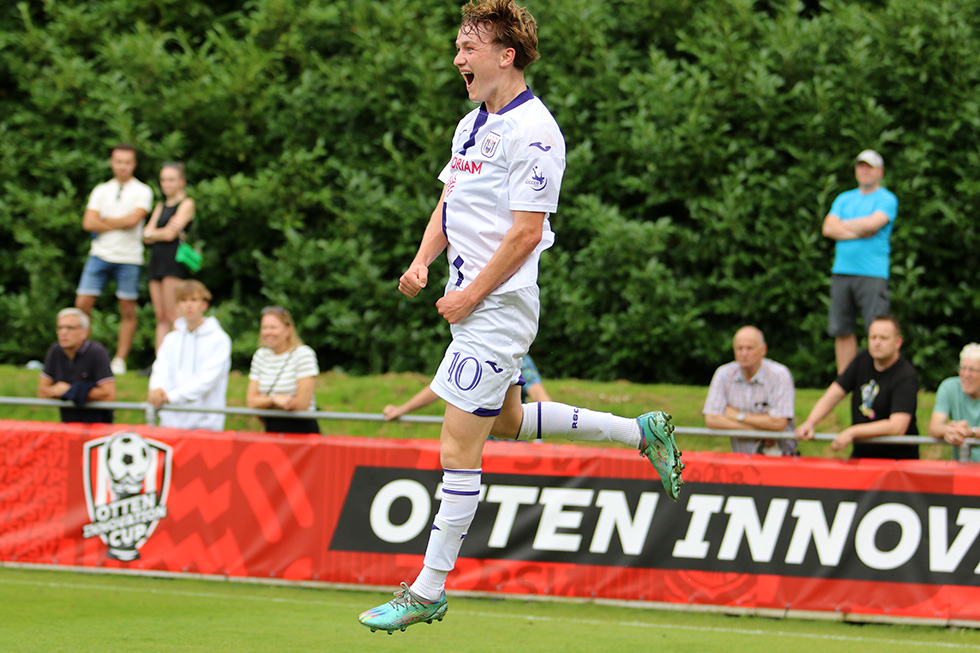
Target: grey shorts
<point>851,294</point>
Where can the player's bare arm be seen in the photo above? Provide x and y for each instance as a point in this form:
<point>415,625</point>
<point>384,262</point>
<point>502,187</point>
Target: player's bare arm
<point>433,244</point>
<point>518,243</point>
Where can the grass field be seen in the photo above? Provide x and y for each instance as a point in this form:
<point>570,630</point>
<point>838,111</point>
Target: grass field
<point>55,610</point>
<point>68,611</point>
<point>369,394</point>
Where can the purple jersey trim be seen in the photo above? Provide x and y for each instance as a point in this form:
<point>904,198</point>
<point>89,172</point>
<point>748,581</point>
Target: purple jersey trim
<point>481,119</point>
<point>525,95</point>
<point>484,115</point>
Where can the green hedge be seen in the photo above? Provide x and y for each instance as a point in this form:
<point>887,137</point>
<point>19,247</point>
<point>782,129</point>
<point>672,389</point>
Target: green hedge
<point>706,141</point>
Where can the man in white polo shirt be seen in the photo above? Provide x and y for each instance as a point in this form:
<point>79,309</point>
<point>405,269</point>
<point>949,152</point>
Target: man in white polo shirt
<point>114,216</point>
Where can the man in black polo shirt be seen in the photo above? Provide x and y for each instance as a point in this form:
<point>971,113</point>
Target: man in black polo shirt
<point>884,386</point>
<point>77,369</point>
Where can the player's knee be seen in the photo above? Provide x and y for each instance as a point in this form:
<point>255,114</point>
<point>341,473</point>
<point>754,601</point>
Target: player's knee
<point>508,423</point>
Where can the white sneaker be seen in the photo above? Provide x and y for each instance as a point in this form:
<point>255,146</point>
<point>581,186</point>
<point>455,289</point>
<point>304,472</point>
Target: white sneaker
<point>118,366</point>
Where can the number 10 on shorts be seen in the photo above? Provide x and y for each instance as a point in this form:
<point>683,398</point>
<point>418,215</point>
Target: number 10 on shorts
<point>464,373</point>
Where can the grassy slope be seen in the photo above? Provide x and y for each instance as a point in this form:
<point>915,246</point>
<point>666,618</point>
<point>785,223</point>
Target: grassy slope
<point>369,394</point>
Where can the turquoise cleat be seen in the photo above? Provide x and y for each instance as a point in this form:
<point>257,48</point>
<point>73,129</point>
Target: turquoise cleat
<point>403,611</point>
<point>657,444</point>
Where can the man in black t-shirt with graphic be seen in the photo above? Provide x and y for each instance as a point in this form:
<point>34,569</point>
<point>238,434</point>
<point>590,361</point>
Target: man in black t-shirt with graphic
<point>883,387</point>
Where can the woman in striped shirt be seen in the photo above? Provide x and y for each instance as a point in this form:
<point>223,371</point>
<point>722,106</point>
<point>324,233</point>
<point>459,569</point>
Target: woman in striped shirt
<point>283,374</point>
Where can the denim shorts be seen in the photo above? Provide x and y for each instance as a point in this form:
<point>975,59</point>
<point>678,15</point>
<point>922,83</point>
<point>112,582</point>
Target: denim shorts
<point>97,272</point>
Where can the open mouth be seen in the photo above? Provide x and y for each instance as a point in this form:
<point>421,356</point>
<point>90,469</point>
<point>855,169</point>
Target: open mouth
<point>468,78</point>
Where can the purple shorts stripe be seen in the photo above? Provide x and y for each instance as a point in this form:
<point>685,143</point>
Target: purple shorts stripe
<point>462,471</point>
<point>486,412</point>
<point>460,494</point>
<point>538,436</point>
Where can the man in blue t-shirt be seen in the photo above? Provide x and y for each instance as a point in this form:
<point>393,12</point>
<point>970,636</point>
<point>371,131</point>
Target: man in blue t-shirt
<point>860,221</point>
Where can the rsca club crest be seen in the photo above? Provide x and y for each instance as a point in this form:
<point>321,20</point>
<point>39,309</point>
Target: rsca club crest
<point>127,480</point>
<point>490,143</point>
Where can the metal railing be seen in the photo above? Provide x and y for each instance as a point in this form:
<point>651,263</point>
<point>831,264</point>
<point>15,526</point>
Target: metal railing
<point>151,413</point>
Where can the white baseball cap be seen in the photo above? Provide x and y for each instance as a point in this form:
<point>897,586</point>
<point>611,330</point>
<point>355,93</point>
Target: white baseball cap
<point>870,157</point>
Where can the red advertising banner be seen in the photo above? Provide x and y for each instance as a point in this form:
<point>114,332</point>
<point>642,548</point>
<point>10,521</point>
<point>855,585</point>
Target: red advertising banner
<point>871,538</point>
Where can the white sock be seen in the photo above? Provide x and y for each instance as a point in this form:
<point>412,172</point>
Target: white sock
<point>460,497</point>
<point>549,419</point>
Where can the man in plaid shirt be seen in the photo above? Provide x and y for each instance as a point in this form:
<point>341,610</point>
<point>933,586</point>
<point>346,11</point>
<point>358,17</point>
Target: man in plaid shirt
<point>752,393</point>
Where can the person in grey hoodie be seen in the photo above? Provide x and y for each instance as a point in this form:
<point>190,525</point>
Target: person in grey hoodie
<point>192,364</point>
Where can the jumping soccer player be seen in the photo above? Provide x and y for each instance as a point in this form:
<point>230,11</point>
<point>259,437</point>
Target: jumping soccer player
<point>500,185</point>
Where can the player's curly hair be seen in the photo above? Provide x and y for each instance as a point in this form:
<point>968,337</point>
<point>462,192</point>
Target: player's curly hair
<point>508,24</point>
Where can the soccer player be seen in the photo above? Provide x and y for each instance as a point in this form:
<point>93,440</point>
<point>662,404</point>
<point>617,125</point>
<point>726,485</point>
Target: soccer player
<point>500,185</point>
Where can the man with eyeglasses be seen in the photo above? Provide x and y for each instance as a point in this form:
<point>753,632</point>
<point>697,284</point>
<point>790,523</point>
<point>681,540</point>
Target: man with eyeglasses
<point>956,415</point>
<point>77,369</point>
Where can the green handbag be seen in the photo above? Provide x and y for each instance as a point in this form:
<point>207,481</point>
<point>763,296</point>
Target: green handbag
<point>189,257</point>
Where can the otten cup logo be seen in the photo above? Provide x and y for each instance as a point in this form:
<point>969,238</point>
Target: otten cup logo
<point>127,480</point>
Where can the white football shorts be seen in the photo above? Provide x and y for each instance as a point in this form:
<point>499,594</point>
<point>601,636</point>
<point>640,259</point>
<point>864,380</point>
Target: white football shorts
<point>484,359</point>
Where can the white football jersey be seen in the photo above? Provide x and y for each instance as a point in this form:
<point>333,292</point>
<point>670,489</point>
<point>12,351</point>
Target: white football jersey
<point>501,162</point>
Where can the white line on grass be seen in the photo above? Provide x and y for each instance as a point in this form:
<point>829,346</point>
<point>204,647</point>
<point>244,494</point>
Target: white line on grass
<point>491,615</point>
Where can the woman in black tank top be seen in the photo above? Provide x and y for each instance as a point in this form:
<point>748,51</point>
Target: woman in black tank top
<point>168,224</point>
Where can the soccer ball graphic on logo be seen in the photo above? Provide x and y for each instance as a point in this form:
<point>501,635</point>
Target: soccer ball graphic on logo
<point>128,460</point>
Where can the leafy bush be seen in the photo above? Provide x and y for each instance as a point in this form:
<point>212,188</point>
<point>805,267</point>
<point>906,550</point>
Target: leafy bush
<point>706,141</point>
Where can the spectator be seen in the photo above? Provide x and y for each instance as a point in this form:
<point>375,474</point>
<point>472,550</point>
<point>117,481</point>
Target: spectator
<point>533,390</point>
<point>956,415</point>
<point>283,374</point>
<point>860,221</point>
<point>752,393</point>
<point>166,228</point>
<point>114,215</point>
<point>883,402</point>
<point>77,369</point>
<point>192,365</point>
